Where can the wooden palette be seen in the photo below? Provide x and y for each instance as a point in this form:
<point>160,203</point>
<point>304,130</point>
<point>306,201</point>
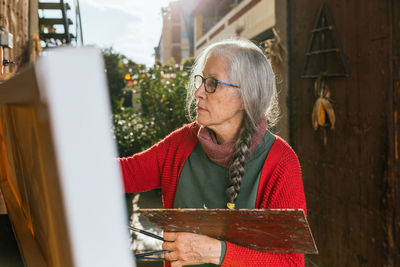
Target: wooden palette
<point>268,230</point>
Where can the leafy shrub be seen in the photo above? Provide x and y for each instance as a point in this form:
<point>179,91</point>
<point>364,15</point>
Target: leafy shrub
<point>162,97</point>
<point>116,66</point>
<point>132,131</point>
<point>161,94</point>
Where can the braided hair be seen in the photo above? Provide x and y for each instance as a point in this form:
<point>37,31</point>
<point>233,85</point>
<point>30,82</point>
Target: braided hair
<point>250,69</point>
<point>238,161</point>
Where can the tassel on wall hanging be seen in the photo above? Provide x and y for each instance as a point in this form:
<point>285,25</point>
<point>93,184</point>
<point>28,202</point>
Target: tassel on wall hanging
<point>324,60</point>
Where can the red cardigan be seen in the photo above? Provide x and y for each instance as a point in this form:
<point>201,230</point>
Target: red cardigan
<point>280,186</point>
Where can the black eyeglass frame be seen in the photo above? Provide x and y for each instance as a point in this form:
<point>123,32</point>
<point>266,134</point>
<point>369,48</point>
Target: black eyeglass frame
<point>204,81</point>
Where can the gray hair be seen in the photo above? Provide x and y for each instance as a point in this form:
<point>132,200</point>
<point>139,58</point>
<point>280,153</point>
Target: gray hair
<point>251,70</point>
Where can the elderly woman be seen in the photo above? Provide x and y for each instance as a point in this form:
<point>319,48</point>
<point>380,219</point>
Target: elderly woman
<point>226,158</point>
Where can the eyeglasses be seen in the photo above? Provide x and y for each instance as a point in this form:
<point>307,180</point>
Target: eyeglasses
<point>210,83</point>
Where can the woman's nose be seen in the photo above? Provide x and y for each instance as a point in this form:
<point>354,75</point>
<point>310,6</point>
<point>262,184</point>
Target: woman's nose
<point>200,92</point>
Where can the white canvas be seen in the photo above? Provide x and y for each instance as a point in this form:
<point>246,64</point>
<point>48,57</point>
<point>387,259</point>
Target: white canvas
<point>72,83</point>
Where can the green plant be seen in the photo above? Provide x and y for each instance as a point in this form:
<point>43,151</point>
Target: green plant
<point>133,132</point>
<point>161,95</point>
<point>117,65</point>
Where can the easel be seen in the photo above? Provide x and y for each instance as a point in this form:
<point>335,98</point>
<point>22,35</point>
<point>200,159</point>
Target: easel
<point>3,76</point>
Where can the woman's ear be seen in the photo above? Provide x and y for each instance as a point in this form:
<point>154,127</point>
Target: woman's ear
<point>242,106</point>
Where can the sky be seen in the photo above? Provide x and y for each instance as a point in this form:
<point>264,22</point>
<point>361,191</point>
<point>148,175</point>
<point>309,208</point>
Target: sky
<point>131,27</point>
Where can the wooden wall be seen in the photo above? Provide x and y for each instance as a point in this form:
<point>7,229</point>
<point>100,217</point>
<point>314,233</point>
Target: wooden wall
<point>20,18</point>
<point>282,70</point>
<point>393,168</point>
<point>352,182</point>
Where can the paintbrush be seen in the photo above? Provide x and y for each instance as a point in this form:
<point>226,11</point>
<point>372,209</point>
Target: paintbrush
<point>144,256</point>
<point>146,233</point>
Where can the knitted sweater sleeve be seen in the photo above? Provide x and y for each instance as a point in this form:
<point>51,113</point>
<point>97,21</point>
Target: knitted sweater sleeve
<point>284,189</point>
<point>158,166</point>
<point>141,172</point>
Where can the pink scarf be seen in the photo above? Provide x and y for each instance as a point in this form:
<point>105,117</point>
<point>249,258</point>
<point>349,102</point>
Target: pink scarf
<point>221,154</point>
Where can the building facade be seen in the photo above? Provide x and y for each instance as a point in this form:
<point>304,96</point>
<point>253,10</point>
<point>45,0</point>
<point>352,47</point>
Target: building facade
<point>176,41</point>
<point>217,20</point>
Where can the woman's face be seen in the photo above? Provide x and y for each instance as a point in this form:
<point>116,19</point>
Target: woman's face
<point>223,109</point>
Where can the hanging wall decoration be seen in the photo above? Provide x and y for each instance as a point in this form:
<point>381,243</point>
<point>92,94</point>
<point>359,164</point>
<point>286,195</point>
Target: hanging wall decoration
<point>323,107</point>
<point>275,50</point>
<point>324,60</point>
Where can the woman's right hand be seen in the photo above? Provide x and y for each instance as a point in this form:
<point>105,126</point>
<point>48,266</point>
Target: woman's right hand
<point>191,249</point>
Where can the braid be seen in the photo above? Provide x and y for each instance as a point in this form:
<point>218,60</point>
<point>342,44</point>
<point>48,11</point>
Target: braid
<point>236,168</point>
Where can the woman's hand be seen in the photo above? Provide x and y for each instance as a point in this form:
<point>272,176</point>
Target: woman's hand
<point>190,249</point>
